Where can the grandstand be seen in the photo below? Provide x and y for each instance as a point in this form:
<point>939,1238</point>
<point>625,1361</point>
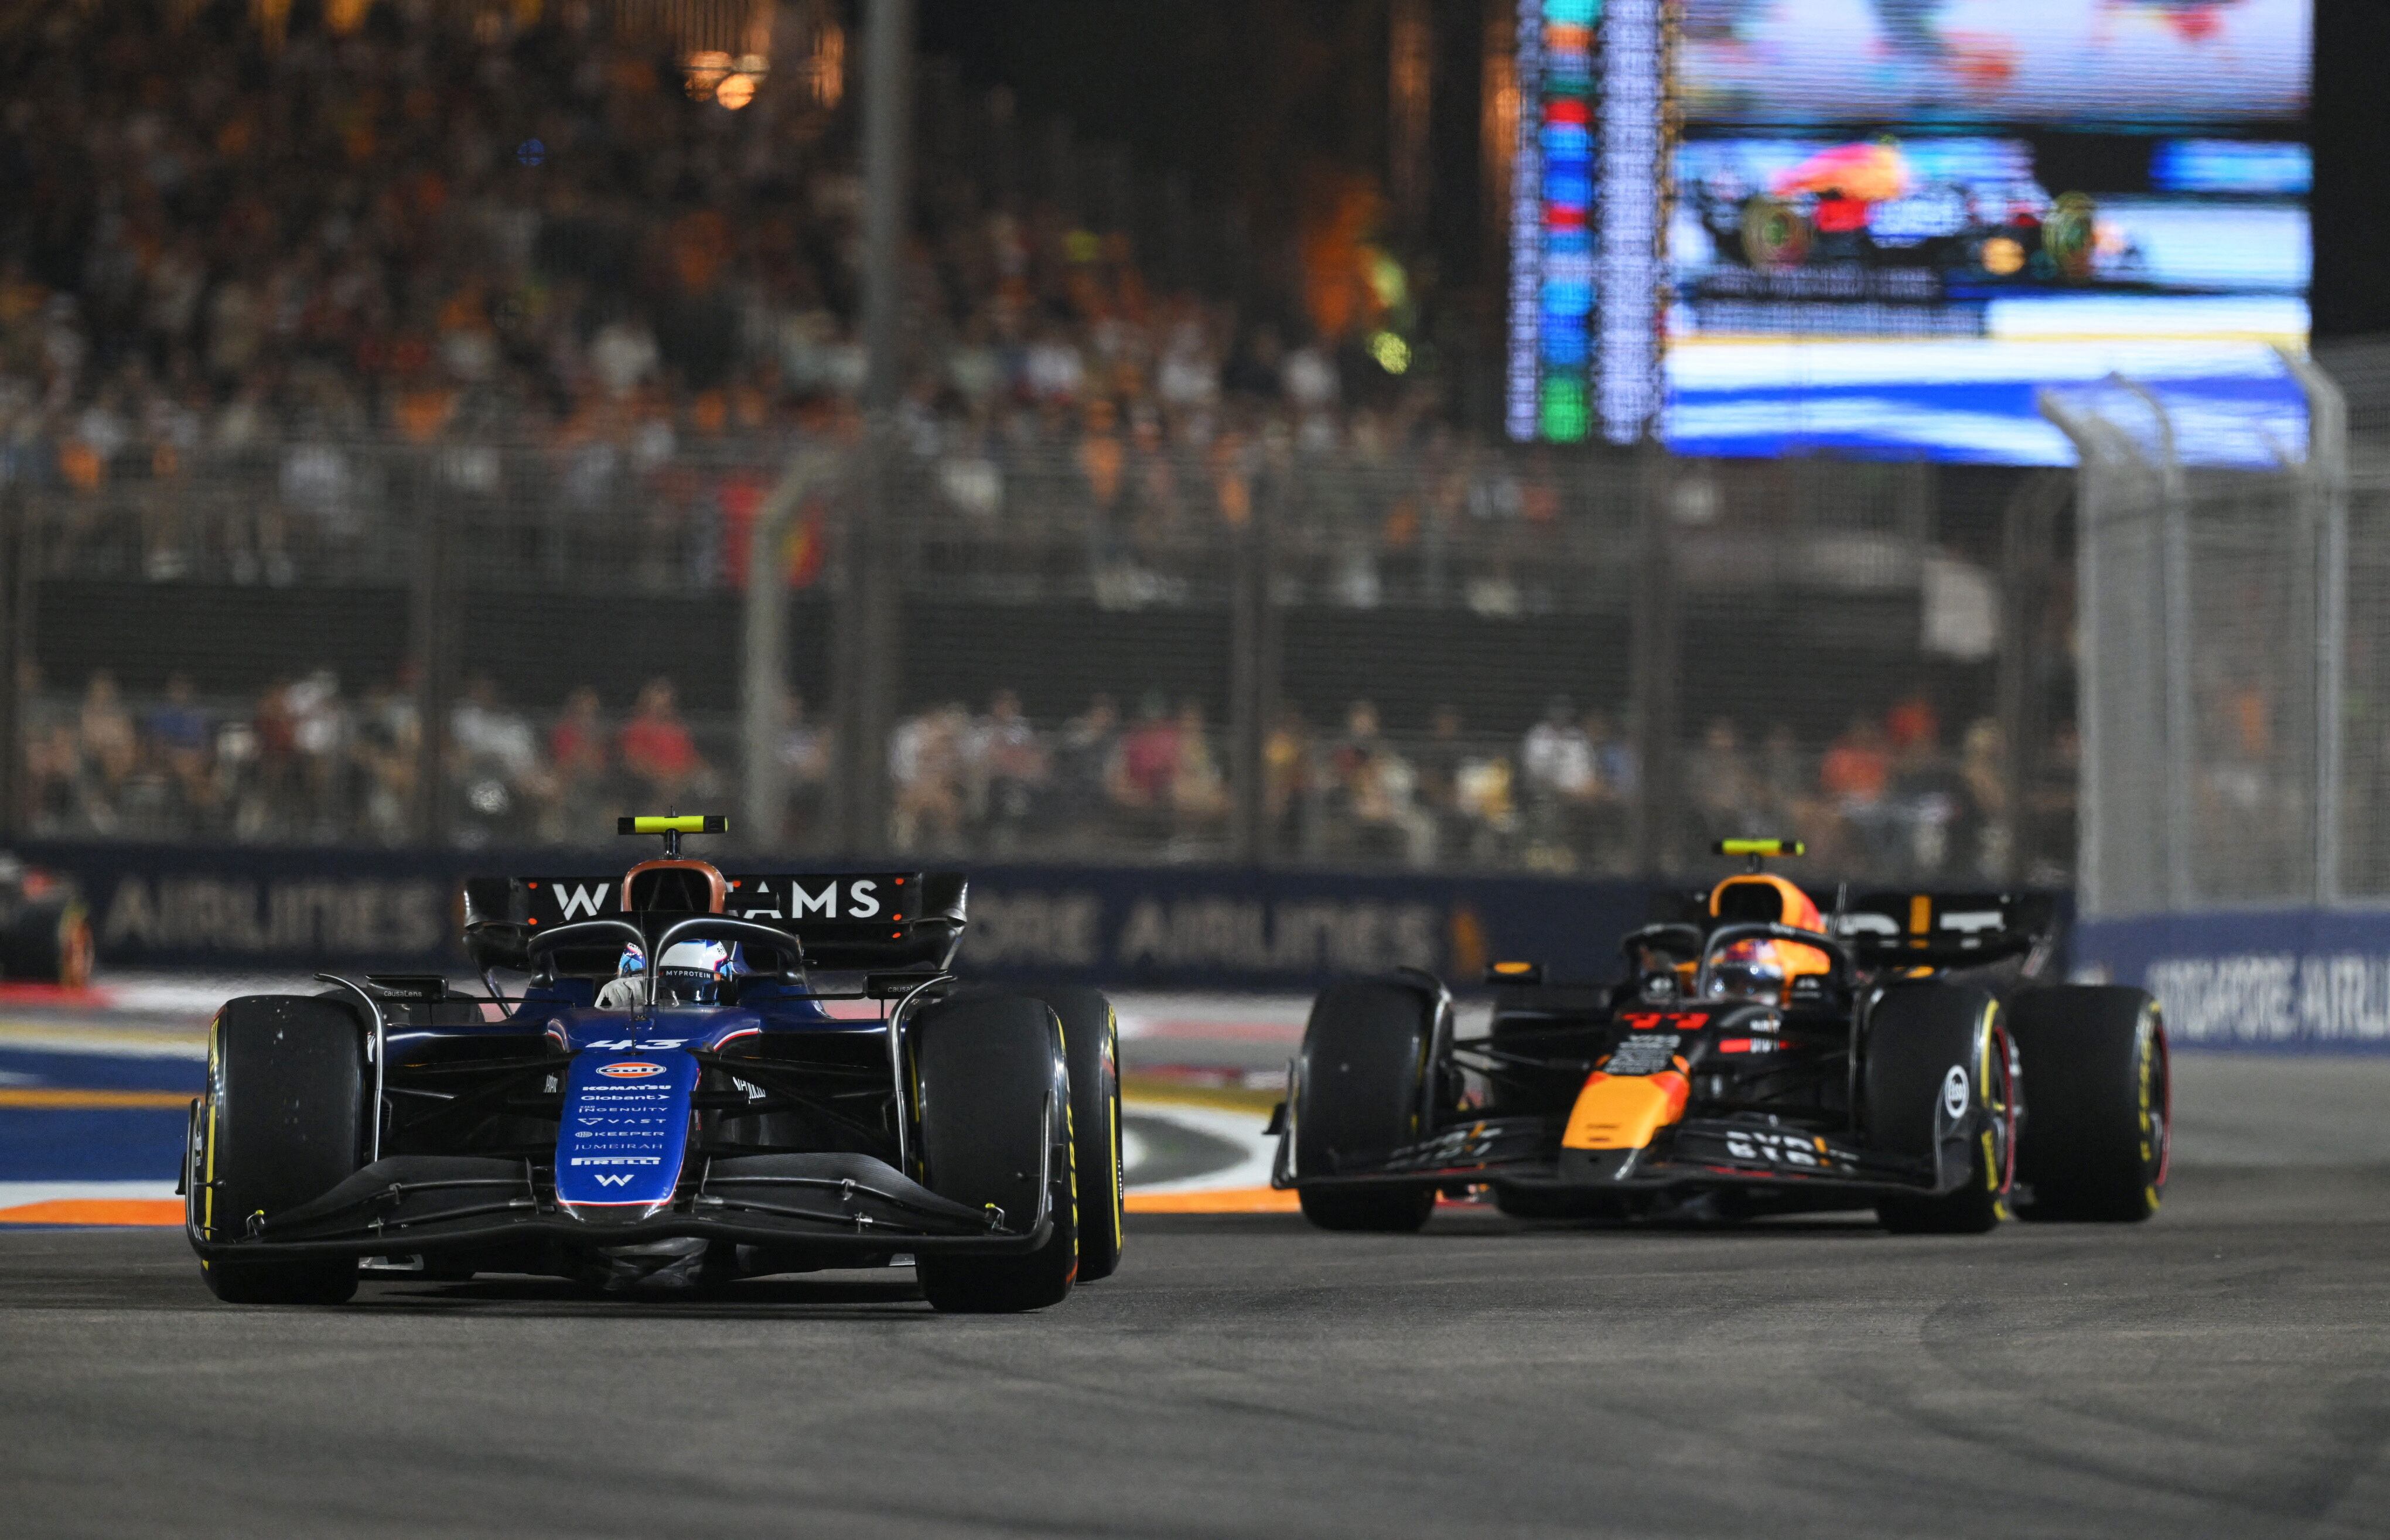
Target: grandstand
<point>374,356</point>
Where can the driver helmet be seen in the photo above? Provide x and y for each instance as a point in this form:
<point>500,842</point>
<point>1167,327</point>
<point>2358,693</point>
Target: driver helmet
<point>1747,971</point>
<point>691,972</point>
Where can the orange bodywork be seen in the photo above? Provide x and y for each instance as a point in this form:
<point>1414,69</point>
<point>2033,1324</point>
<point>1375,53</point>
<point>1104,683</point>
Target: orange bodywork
<point>1792,907</point>
<point>1625,1112</point>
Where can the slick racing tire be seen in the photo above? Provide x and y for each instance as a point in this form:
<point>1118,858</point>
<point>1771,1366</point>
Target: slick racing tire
<point>2098,1137</point>
<point>1361,1090</point>
<point>49,944</point>
<point>990,1098</point>
<point>1939,1060</point>
<point>1091,1048</point>
<point>284,1121</point>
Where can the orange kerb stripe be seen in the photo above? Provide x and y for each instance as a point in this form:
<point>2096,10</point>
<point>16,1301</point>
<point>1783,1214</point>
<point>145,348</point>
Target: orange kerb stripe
<point>22,1095</point>
<point>1223,1201</point>
<point>97,1211</point>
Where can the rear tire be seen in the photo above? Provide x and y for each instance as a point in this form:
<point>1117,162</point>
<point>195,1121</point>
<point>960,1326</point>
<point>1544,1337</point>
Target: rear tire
<point>1931,1045</point>
<point>1091,1047</point>
<point>284,1121</point>
<point>2098,1141</point>
<point>1361,1091</point>
<point>49,944</point>
<point>990,1093</point>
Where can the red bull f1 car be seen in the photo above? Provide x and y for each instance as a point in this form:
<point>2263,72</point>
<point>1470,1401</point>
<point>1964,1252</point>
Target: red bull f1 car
<point>1905,1055</point>
<point>672,1099</point>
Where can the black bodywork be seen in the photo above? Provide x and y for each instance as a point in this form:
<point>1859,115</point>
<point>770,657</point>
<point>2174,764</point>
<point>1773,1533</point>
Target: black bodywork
<point>1773,1117</point>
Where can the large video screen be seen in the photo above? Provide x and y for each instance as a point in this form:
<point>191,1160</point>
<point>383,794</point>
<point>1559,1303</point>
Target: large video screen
<point>1897,222</point>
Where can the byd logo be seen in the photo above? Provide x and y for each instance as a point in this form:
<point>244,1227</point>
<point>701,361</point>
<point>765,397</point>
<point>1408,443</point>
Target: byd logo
<point>630,1069</point>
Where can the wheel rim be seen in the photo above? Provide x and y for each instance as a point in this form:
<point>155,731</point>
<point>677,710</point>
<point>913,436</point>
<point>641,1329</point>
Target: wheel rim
<point>2000,1100</point>
<point>2155,1075</point>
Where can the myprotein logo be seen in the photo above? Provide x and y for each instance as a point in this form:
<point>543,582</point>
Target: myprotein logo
<point>630,1069</point>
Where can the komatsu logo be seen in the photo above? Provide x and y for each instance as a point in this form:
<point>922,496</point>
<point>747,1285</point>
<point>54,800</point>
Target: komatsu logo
<point>576,902</point>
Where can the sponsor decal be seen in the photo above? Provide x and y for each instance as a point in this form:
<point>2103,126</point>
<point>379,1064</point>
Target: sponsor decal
<point>606,1181</point>
<point>1644,1053</point>
<point>1954,1092</point>
<point>1653,1020</point>
<point>579,902</point>
<point>618,1159</point>
<point>1805,1150</point>
<point>630,1069</point>
<point>364,917</point>
<point>856,900</point>
<point>1749,1044</point>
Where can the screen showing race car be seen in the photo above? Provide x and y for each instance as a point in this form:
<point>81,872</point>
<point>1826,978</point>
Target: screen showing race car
<point>1897,222</point>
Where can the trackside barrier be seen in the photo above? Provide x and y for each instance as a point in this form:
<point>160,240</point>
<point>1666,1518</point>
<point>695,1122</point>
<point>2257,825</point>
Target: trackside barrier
<point>2285,979</point>
<point>227,909</point>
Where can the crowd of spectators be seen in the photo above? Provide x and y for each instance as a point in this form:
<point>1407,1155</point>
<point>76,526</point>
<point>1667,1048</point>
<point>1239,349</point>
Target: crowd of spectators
<point>306,762</point>
<point>303,762</point>
<point>439,228</point>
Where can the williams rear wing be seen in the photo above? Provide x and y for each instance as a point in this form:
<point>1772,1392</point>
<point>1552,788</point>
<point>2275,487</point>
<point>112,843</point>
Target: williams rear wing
<point>850,922</point>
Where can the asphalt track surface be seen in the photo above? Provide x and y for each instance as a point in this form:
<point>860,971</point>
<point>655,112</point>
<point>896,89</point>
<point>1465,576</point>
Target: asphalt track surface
<point>2224,1370</point>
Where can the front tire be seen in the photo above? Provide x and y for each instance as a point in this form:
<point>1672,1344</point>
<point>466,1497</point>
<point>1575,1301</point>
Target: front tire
<point>990,1094</point>
<point>1362,1090</point>
<point>1091,1047</point>
<point>1939,1069</point>
<point>284,1121</point>
<point>2098,1144</point>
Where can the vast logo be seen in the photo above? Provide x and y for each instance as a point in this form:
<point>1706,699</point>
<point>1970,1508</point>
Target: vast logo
<point>630,1069</point>
<point>576,902</point>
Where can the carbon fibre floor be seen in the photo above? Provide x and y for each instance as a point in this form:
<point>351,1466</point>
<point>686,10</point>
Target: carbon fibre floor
<point>2222,1371</point>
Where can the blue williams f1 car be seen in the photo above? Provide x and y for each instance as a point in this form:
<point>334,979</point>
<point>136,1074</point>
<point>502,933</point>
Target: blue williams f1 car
<point>669,1102</point>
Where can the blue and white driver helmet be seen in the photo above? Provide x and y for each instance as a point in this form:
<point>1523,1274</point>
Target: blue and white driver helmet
<point>692,972</point>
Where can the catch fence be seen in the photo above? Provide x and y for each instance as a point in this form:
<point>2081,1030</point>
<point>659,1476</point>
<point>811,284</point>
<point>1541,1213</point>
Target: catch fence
<point>1083,644</point>
<point>2234,643</point>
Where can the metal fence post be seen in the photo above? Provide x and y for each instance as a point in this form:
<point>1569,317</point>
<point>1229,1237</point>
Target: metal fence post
<point>868,633</point>
<point>2174,624</point>
<point>1252,679</point>
<point>763,676</point>
<point>2028,533</point>
<point>16,640</point>
<point>1654,674</point>
<point>432,646</point>
<point>2327,508</point>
